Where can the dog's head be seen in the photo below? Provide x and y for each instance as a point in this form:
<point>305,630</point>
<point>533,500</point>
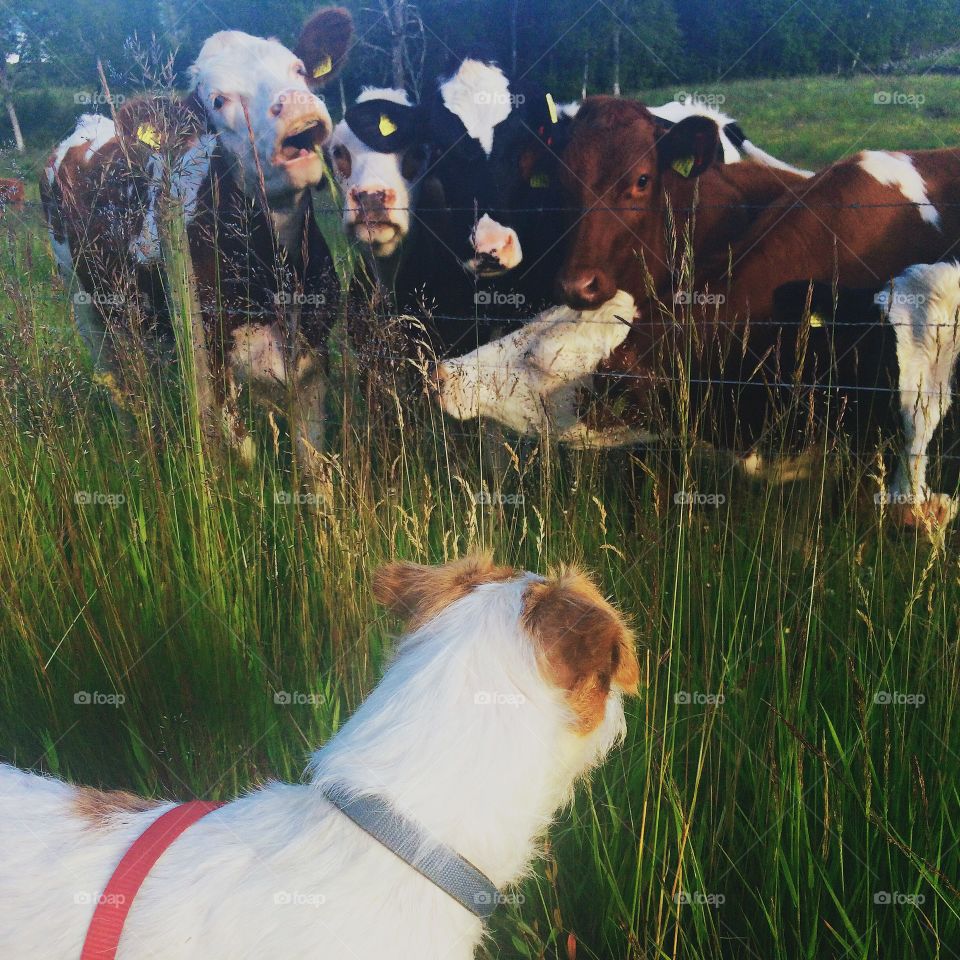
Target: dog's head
<point>552,645</point>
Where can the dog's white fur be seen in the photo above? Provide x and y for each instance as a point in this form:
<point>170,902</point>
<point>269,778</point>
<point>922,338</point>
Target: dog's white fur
<point>464,734</point>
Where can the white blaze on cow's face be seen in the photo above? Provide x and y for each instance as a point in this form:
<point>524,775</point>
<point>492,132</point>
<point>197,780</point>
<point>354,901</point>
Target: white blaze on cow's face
<point>255,94</point>
<point>377,187</point>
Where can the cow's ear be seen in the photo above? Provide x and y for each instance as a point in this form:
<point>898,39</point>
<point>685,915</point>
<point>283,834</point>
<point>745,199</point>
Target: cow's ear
<point>150,124</point>
<point>689,147</point>
<point>385,126</point>
<point>325,43</point>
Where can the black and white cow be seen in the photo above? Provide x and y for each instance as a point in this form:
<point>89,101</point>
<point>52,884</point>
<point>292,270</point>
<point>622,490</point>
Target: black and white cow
<point>240,155</point>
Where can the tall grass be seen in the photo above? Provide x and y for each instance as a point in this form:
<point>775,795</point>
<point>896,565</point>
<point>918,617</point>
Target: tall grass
<point>787,786</point>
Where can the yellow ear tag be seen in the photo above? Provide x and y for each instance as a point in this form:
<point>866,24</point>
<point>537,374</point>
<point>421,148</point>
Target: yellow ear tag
<point>683,166</point>
<point>817,320</point>
<point>386,126</point>
<point>324,67</point>
<point>552,108</point>
<point>148,135</point>
<point>540,181</point>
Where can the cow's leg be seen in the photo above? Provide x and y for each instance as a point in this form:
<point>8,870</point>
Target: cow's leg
<point>928,345</point>
<point>308,416</point>
<point>234,427</point>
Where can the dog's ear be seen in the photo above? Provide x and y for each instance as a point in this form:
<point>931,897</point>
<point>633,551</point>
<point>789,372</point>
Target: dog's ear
<point>583,645</point>
<point>324,44</point>
<point>417,593</point>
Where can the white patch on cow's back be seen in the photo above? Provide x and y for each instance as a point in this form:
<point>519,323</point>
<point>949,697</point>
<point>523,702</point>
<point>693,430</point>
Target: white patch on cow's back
<point>898,170</point>
<point>92,129</point>
<point>677,110</point>
<point>529,380</point>
<point>479,94</point>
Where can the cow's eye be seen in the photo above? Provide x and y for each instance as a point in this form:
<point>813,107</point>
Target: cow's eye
<point>301,71</point>
<point>218,102</point>
<point>642,182</point>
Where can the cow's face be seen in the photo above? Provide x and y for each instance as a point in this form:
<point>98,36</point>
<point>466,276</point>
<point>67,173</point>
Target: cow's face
<point>258,98</point>
<point>618,171</point>
<point>378,161</point>
<point>481,129</point>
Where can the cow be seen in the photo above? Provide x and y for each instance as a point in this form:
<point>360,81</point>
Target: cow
<point>857,224</point>
<point>448,200</point>
<point>749,187</point>
<point>241,155</point>
<point>533,381</point>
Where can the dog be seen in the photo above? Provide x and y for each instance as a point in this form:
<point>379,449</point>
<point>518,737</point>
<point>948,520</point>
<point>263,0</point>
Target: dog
<point>505,690</point>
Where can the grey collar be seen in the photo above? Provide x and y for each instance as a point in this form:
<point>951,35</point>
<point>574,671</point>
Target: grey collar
<point>441,866</point>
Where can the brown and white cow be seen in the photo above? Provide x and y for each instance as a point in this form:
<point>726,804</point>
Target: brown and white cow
<point>744,350</point>
<point>241,155</point>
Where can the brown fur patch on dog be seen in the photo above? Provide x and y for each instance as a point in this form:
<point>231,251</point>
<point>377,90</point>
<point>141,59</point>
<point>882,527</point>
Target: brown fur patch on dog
<point>583,645</point>
<point>417,593</point>
<point>98,806</point>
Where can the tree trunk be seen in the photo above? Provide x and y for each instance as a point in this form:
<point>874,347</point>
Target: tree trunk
<point>15,123</point>
<point>398,18</point>
<point>616,59</point>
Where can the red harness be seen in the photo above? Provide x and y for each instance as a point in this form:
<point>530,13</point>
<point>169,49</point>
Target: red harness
<point>103,936</point>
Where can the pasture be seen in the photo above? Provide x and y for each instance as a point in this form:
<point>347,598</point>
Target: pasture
<point>183,627</point>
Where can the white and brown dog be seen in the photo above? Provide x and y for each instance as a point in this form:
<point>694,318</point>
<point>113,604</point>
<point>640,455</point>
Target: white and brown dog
<point>506,689</point>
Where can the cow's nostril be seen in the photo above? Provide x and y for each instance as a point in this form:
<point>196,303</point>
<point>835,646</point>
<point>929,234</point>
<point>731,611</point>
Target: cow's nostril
<point>586,289</point>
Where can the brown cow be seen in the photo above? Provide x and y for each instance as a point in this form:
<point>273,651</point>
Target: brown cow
<point>241,155</point>
<point>746,349</point>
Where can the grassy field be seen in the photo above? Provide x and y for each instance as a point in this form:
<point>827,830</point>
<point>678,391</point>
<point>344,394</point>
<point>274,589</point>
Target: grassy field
<point>787,788</point>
